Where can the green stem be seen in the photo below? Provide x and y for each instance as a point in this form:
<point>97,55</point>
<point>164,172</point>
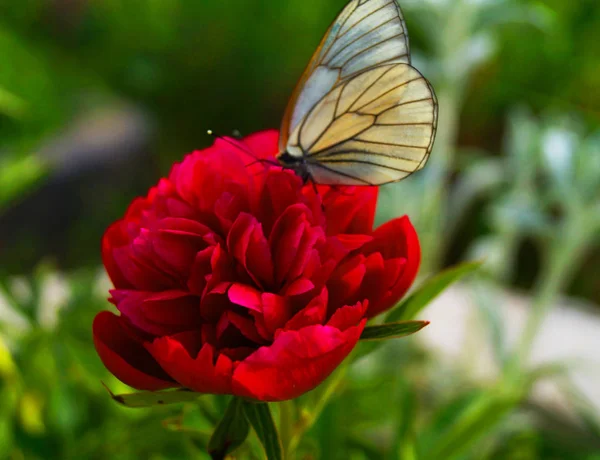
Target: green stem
<point>432,223</point>
<point>287,412</point>
<point>311,417</point>
<point>565,253</point>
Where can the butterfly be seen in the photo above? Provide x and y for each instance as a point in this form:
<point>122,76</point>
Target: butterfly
<point>360,114</point>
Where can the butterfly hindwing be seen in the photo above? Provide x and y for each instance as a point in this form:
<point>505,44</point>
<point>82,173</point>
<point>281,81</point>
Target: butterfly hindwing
<point>375,128</point>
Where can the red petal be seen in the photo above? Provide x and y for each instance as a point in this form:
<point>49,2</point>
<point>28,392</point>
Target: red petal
<point>248,245</point>
<point>396,239</point>
<point>201,268</point>
<point>350,209</point>
<point>173,307</point>
<point>348,316</point>
<point>199,373</point>
<point>276,311</point>
<point>138,272</point>
<point>295,363</point>
<point>346,281</point>
<point>281,190</point>
<point>292,241</point>
<point>246,326</point>
<point>263,143</point>
<point>114,237</point>
<point>125,357</point>
<point>285,239</point>
<point>245,296</point>
<point>352,242</point>
<point>314,313</point>
<point>300,286</point>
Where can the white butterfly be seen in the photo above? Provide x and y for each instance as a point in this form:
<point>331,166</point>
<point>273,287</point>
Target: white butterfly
<point>360,114</point>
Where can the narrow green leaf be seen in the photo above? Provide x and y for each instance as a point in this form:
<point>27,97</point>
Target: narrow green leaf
<point>404,419</point>
<point>392,330</point>
<point>19,176</point>
<point>231,431</point>
<point>153,398</point>
<point>479,417</point>
<point>198,438</point>
<point>429,290</point>
<point>259,416</point>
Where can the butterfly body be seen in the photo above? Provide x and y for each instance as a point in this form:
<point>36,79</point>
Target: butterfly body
<point>296,163</point>
<point>360,114</point>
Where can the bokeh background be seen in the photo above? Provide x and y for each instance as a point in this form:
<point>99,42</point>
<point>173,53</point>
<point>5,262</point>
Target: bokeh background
<point>99,98</point>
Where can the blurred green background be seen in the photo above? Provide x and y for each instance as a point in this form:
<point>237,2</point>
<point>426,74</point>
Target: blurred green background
<point>99,98</point>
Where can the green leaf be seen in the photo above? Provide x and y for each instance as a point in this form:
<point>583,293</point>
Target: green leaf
<point>404,419</point>
<point>478,418</point>
<point>259,416</point>
<point>392,330</point>
<point>153,398</point>
<point>429,290</point>
<point>231,431</point>
<point>19,175</point>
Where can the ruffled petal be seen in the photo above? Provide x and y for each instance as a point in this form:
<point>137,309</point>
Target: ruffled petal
<point>350,209</point>
<point>114,237</point>
<point>198,370</point>
<point>348,316</point>
<point>314,313</point>
<point>126,357</point>
<point>295,363</point>
<point>396,239</point>
<point>248,245</point>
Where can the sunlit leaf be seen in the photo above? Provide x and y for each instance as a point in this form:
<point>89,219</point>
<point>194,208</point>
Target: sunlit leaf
<point>429,290</point>
<point>468,424</point>
<point>392,330</point>
<point>153,398</point>
<point>259,416</point>
<point>19,176</point>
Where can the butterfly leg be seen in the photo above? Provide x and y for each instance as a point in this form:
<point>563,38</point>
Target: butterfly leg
<point>310,179</point>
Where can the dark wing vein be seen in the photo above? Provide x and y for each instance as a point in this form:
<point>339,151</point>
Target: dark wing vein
<point>365,162</point>
<point>403,124</point>
<point>404,83</point>
<point>339,173</point>
<point>391,144</point>
<point>358,38</point>
<point>363,18</point>
<point>368,152</point>
<point>334,114</point>
<point>368,48</point>
<point>395,106</point>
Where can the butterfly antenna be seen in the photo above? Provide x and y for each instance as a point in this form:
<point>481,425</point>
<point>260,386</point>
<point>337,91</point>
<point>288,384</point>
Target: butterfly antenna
<point>243,147</point>
<point>237,144</point>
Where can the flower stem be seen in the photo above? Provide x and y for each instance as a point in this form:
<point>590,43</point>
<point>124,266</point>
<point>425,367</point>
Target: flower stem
<point>287,415</point>
<point>309,418</point>
<point>564,254</point>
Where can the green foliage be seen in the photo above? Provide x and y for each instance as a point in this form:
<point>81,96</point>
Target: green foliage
<point>231,431</point>
<point>392,330</point>
<point>429,290</point>
<point>516,163</point>
<point>259,416</point>
<point>153,398</point>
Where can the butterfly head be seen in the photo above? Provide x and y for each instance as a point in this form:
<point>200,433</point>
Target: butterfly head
<point>296,164</point>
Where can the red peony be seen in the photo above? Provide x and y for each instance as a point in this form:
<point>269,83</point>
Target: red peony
<point>237,279</point>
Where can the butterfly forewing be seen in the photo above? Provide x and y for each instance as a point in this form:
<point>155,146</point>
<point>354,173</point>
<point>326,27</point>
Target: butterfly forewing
<point>365,34</point>
<point>375,132</point>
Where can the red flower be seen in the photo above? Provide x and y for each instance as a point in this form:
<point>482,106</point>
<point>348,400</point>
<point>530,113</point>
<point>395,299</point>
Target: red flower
<point>230,277</point>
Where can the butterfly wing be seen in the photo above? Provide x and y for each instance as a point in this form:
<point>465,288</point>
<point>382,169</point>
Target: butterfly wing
<point>365,34</point>
<point>374,128</point>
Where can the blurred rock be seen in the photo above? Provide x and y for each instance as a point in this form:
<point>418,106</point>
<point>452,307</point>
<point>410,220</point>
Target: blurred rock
<point>569,336</point>
<point>97,165</point>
